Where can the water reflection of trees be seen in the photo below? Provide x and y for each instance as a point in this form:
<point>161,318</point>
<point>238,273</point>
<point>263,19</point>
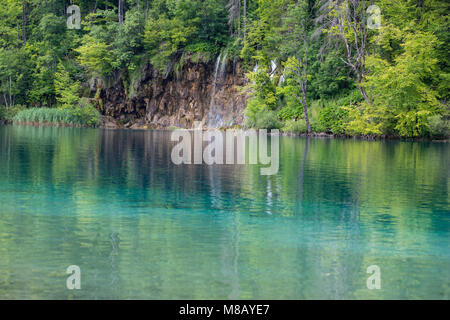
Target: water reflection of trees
<point>311,216</point>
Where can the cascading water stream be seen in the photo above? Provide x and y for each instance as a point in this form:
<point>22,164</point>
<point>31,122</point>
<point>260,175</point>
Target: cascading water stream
<point>273,65</point>
<point>214,118</point>
<point>223,67</point>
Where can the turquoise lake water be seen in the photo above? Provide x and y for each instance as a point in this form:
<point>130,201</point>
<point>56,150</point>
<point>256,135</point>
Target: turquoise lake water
<point>140,227</point>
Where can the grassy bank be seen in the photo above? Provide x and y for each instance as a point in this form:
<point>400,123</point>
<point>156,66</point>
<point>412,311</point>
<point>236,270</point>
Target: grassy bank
<point>77,117</point>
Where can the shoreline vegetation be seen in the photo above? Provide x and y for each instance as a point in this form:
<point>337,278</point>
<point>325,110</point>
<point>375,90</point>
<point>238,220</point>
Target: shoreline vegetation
<point>67,118</point>
<point>83,116</point>
<point>343,67</point>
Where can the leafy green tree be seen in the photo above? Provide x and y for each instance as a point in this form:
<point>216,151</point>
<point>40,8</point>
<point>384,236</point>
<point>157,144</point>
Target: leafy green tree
<point>67,90</point>
<point>296,30</point>
<point>401,87</point>
<point>165,36</point>
<point>347,21</point>
<point>10,25</point>
<point>172,25</point>
<point>95,56</point>
<point>261,43</point>
<point>13,75</point>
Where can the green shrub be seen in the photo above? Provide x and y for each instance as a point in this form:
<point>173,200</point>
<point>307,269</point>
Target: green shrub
<point>439,126</point>
<point>333,119</point>
<point>365,120</point>
<point>353,97</point>
<point>293,126</point>
<point>333,114</point>
<point>8,114</point>
<point>262,119</point>
<point>252,112</point>
<point>287,113</point>
<point>88,113</point>
<point>268,120</point>
<point>316,126</point>
<point>202,47</point>
<point>87,116</point>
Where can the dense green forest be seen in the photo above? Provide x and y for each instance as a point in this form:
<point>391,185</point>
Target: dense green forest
<point>343,67</point>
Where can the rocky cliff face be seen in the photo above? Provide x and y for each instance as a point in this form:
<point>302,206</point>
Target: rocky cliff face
<point>205,92</point>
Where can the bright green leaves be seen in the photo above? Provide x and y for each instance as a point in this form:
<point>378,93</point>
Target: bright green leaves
<point>67,90</point>
<point>95,56</point>
<point>364,119</point>
<point>402,87</point>
<point>164,37</point>
<point>184,23</point>
<point>261,106</point>
<point>10,17</point>
<point>108,45</point>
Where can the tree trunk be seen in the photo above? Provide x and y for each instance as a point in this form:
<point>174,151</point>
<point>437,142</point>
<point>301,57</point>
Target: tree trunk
<point>120,10</point>
<point>305,83</point>
<point>245,18</point>
<point>239,18</point>
<point>363,90</point>
<point>305,111</point>
<point>24,22</point>
<point>6,100</point>
<point>364,94</point>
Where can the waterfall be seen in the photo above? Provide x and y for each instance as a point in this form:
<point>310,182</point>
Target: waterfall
<point>255,69</point>
<point>223,66</point>
<point>214,119</point>
<point>282,79</point>
<point>273,65</point>
<point>216,70</point>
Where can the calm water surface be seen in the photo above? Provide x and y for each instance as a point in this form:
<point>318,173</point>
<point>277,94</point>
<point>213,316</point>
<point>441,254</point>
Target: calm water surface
<point>138,226</point>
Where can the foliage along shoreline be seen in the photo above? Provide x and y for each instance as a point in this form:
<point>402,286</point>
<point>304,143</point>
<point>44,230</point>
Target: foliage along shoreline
<point>313,135</point>
<point>338,66</point>
<point>81,116</point>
